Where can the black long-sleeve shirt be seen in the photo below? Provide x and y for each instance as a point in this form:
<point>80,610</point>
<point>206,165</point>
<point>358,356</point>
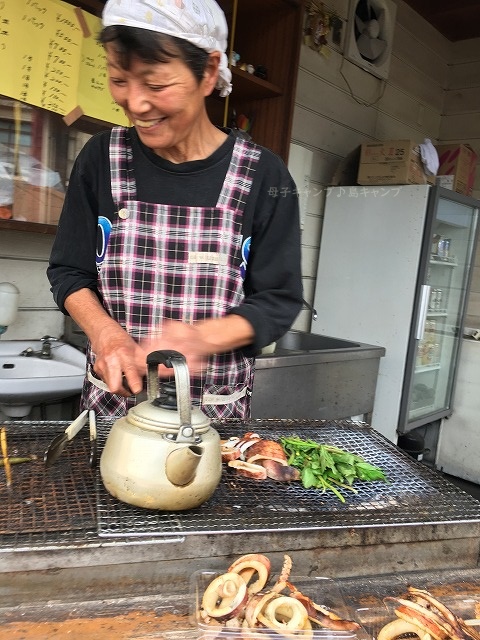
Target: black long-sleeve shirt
<point>273,288</point>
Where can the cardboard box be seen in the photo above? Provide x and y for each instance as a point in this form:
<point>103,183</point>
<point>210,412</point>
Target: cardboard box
<point>36,204</point>
<point>389,151</point>
<point>391,162</point>
<point>459,161</point>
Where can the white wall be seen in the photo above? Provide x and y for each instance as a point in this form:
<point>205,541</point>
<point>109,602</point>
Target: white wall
<point>432,91</point>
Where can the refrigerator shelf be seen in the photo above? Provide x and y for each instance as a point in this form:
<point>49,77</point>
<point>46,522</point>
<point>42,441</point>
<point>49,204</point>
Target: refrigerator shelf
<point>415,412</point>
<point>427,367</point>
<point>445,262</point>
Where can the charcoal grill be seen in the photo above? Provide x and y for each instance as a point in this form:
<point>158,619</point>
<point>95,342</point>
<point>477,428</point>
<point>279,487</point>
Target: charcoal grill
<point>47,505</point>
<point>67,504</point>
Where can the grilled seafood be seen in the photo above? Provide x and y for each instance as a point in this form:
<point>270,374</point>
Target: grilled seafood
<point>255,457</point>
<point>281,608</point>
<point>420,613</point>
<point>248,567</point>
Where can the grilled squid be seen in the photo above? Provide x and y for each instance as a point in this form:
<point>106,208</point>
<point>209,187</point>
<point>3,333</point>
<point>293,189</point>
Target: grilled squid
<point>242,599</point>
<point>399,627</point>
<point>249,566</point>
<point>284,612</point>
<point>255,606</point>
<point>420,613</point>
<point>322,616</point>
<point>225,597</point>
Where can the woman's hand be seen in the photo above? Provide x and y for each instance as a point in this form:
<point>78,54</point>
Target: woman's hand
<point>198,341</point>
<point>119,361</point>
<point>118,358</point>
<point>185,339</point>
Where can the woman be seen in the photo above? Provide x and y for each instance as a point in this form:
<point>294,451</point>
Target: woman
<point>175,234</point>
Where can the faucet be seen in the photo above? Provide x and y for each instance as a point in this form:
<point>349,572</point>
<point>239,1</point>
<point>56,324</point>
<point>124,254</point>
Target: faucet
<point>46,352</point>
<point>27,353</point>
<point>310,308</point>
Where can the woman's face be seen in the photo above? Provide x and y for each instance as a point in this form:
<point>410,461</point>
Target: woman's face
<point>163,100</point>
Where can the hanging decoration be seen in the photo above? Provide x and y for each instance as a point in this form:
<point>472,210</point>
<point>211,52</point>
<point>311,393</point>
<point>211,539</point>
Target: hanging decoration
<point>318,25</point>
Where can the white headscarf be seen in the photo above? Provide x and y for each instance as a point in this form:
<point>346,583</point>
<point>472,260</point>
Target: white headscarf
<point>200,22</point>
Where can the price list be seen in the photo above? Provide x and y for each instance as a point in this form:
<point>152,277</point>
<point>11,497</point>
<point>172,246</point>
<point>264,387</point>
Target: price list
<point>93,93</point>
<point>40,53</point>
<point>50,58</point>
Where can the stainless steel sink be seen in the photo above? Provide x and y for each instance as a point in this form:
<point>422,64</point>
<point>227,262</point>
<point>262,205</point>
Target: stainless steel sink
<point>300,341</point>
<point>310,376</point>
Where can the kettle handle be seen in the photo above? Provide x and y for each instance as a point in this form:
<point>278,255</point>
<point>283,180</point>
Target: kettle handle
<point>176,360</point>
<point>165,357</point>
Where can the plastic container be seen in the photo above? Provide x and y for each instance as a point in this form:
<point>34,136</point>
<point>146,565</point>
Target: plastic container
<point>379,613</point>
<point>323,591</point>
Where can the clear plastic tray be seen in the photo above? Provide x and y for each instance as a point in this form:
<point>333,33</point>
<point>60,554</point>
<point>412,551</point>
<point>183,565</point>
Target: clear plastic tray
<point>323,591</point>
<point>378,613</point>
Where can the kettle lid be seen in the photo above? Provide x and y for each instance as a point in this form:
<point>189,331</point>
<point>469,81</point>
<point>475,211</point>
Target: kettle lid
<point>170,408</point>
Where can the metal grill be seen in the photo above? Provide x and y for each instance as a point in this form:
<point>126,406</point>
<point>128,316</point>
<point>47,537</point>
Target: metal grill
<point>43,501</point>
<point>68,505</point>
<point>413,495</point>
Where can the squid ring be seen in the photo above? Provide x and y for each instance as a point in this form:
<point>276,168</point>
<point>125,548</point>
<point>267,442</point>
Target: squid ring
<point>248,568</point>
<point>225,596</point>
<point>398,627</point>
<point>255,605</point>
<point>284,613</point>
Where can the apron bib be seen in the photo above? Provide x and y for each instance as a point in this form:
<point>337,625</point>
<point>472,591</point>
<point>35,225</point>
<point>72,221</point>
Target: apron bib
<point>181,263</point>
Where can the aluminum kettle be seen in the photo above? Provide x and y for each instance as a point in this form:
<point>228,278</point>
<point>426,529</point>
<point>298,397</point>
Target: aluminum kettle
<point>163,454</point>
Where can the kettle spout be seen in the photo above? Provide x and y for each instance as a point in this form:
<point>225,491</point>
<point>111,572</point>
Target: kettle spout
<point>181,464</point>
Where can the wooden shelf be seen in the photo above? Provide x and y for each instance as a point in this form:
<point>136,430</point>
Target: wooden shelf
<point>266,33</point>
<point>249,87</point>
<point>35,227</point>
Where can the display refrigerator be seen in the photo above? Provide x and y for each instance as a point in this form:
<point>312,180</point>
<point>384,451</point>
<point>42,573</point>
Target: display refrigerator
<point>394,270</point>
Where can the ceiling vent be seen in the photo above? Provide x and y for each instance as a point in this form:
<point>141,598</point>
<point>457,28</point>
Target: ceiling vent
<point>370,28</point>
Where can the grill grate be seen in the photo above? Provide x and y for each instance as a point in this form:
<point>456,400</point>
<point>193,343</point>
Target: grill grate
<point>414,494</point>
<point>60,499</point>
<point>67,504</point>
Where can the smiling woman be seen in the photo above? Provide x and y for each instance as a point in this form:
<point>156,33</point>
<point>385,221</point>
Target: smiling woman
<point>201,256</point>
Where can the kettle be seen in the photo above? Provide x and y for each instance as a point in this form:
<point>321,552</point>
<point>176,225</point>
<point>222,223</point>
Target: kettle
<point>163,454</point>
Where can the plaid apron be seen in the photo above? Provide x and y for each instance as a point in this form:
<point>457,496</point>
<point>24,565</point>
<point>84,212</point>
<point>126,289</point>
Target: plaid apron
<point>167,262</point>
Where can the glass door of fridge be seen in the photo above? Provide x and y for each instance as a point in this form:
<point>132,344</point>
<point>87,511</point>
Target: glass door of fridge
<point>442,309</point>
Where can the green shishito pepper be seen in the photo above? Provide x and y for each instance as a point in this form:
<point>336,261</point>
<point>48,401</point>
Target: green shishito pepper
<point>326,467</point>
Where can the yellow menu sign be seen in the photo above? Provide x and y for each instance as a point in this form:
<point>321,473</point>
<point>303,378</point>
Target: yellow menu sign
<point>40,48</point>
<point>50,58</point>
<point>93,95</point>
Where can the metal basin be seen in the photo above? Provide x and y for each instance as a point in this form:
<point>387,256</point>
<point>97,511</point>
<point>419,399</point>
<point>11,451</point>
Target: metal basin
<point>300,341</point>
<point>316,376</point>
